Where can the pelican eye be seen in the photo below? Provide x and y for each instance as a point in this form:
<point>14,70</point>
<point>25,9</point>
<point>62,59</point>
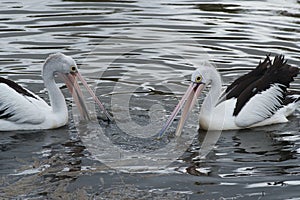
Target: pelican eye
<point>198,79</point>
<point>73,69</point>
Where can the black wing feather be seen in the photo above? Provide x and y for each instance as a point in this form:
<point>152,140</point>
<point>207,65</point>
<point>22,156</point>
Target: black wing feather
<point>240,84</point>
<point>291,97</point>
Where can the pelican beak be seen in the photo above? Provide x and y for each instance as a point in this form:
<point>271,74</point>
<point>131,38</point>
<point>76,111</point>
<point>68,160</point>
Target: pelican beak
<point>73,86</point>
<point>188,101</point>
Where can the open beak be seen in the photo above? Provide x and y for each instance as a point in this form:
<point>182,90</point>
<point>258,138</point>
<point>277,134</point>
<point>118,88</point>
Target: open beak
<point>188,101</point>
<point>71,83</point>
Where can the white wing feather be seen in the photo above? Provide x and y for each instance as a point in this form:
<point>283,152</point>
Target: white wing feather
<point>260,107</point>
<point>21,108</point>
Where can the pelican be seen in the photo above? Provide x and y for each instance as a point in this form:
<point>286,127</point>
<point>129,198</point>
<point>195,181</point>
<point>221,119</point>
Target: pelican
<point>20,109</point>
<point>258,98</point>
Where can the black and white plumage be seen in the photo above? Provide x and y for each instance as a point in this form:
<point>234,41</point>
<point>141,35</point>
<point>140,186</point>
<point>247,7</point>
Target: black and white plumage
<point>18,106</point>
<point>21,109</point>
<point>262,94</point>
<point>260,97</point>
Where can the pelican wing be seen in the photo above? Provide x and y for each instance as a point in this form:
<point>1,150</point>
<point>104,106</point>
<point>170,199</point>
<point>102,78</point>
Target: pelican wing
<point>20,105</point>
<point>240,84</point>
<point>263,97</point>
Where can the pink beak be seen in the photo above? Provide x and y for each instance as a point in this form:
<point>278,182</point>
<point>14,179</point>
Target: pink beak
<point>71,83</point>
<point>189,99</point>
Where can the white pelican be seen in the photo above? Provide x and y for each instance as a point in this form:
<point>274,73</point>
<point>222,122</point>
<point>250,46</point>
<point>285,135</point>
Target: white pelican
<point>20,109</point>
<point>258,98</point>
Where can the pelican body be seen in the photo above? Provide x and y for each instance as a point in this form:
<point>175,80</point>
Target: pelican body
<point>20,109</point>
<point>258,98</point>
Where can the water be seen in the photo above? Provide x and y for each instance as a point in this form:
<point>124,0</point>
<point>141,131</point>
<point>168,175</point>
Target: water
<point>146,51</point>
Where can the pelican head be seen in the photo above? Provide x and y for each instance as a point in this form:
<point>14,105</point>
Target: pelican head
<point>66,68</point>
<point>58,64</point>
<point>199,80</point>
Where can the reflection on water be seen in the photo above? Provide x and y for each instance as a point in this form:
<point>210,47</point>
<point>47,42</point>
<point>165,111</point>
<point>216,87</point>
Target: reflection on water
<point>147,50</point>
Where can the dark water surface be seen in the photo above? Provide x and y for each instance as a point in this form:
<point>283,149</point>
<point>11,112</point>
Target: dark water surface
<point>146,51</point>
